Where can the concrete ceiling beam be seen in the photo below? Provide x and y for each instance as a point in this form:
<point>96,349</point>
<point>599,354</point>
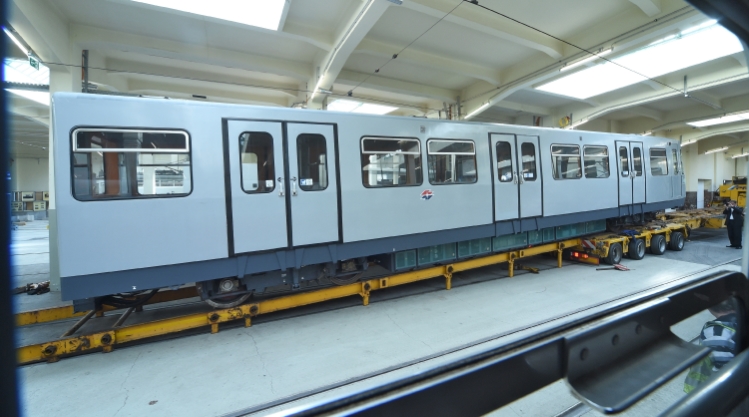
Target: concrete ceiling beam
<point>42,28</point>
<point>525,108</point>
<point>649,7</point>
<point>397,86</point>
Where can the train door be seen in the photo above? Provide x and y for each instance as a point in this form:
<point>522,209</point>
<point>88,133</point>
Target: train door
<point>313,187</point>
<point>677,180</point>
<point>517,182</point>
<point>631,175</point>
<point>258,189</point>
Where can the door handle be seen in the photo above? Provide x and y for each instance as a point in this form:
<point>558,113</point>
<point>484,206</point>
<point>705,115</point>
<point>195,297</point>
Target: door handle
<point>293,186</point>
<point>281,192</point>
<point>515,177</point>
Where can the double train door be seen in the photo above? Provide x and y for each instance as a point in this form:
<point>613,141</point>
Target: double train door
<point>631,176</point>
<point>517,177</point>
<point>282,185</point>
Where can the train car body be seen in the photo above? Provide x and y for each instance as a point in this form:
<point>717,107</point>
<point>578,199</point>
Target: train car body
<point>153,193</point>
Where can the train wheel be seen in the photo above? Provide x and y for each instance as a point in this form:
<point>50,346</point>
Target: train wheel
<point>637,249</point>
<point>615,254</point>
<point>347,279</point>
<point>225,298</point>
<point>677,241</point>
<point>128,299</point>
<point>658,245</point>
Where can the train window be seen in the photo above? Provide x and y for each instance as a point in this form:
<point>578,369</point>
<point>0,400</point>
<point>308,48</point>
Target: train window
<point>658,162</point>
<point>596,160</point>
<point>624,161</point>
<point>129,163</point>
<point>451,161</point>
<point>637,161</point>
<point>675,160</point>
<point>528,161</point>
<point>312,157</point>
<point>390,162</point>
<point>256,156</point>
<point>504,161</point>
<point>565,162</point>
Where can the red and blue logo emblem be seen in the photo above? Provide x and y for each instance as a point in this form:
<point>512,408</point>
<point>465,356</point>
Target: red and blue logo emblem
<point>426,194</point>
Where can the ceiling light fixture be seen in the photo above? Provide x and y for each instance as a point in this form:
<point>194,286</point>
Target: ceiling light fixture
<point>716,150</point>
<point>352,106</point>
<point>15,40</point>
<point>264,14</point>
<point>741,155</point>
<point>648,133</point>
<point>728,118</point>
<point>585,60</point>
<point>690,48</point>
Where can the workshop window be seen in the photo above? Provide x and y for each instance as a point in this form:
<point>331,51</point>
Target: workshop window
<point>129,163</point>
<point>637,161</point>
<point>451,161</point>
<point>256,157</point>
<point>312,158</point>
<point>596,160</point>
<point>624,161</point>
<point>390,162</point>
<point>658,162</point>
<point>565,162</point>
<point>504,162</point>
<point>528,161</point>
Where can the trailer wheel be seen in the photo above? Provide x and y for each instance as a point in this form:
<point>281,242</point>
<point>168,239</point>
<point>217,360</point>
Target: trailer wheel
<point>677,241</point>
<point>615,254</point>
<point>658,245</point>
<point>637,249</point>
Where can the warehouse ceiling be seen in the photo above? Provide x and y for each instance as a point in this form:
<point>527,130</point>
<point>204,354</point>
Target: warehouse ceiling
<point>483,61</point>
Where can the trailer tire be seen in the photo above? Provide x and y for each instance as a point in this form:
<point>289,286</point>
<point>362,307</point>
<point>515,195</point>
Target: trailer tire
<point>658,245</point>
<point>615,254</point>
<point>636,249</point>
<point>677,241</point>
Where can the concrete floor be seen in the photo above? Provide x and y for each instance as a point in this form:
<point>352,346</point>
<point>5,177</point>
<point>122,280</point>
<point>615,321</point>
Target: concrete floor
<point>344,344</point>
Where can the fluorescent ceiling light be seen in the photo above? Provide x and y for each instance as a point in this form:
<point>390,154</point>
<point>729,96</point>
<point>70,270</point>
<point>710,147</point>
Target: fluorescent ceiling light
<point>585,60</point>
<point>729,118</point>
<point>16,41</point>
<point>741,155</point>
<point>19,71</point>
<point>41,97</point>
<point>690,48</point>
<point>352,106</point>
<point>716,150</point>
<point>260,13</point>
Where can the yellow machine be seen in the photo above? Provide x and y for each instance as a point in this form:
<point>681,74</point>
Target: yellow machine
<point>733,190</point>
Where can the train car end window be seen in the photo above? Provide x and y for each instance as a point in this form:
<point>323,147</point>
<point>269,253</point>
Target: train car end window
<point>312,158</point>
<point>504,162</point>
<point>451,161</point>
<point>596,160</point>
<point>390,162</point>
<point>130,163</point>
<point>528,161</point>
<point>624,161</point>
<point>637,161</point>
<point>658,162</point>
<point>565,162</point>
<point>675,160</point>
<point>256,157</point>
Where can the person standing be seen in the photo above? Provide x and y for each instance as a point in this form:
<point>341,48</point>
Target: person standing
<point>734,222</point>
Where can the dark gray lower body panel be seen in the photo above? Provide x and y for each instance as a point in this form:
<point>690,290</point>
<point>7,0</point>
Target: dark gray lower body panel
<point>96,285</point>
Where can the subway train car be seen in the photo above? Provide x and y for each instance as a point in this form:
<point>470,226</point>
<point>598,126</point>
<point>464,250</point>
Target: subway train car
<point>155,193</point>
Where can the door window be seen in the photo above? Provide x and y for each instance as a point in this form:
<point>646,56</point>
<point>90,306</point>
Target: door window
<point>624,161</point>
<point>312,159</point>
<point>504,161</point>
<point>528,161</point>
<point>675,160</point>
<point>565,162</point>
<point>637,161</point>
<point>256,156</point>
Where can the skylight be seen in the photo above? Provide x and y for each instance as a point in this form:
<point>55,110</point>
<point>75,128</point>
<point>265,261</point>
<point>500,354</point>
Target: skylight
<point>729,118</point>
<point>692,47</point>
<point>260,13</point>
<point>41,97</point>
<point>352,106</point>
<point>19,71</point>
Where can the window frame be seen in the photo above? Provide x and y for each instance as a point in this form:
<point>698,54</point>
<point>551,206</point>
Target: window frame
<point>579,165</point>
<point>241,171</point>
<point>650,160</point>
<point>475,161</point>
<point>88,129</point>
<point>394,139</point>
<point>608,166</point>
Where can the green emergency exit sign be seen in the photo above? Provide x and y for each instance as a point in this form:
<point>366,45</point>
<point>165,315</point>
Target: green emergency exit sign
<point>33,62</point>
